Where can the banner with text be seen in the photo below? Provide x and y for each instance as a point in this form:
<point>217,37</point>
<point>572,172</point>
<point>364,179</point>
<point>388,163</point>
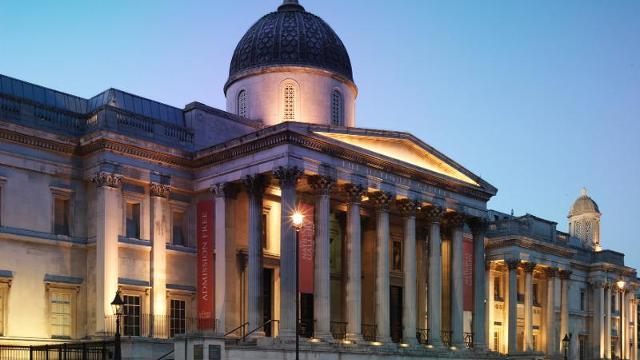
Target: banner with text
<point>206,277</point>
<point>467,260</point>
<point>306,250</point>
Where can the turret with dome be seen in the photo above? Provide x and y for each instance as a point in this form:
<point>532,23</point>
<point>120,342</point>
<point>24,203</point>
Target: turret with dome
<point>584,221</point>
<point>291,66</point>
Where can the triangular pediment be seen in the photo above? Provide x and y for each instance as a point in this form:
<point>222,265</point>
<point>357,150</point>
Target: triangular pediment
<point>405,150</point>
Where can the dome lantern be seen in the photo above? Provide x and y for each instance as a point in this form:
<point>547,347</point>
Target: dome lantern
<point>584,221</point>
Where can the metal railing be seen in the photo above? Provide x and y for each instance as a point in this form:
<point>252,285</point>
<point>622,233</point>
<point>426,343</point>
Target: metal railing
<point>274,323</point>
<point>369,332</point>
<point>102,350</point>
<point>157,326</point>
<point>446,337</point>
<point>423,336</point>
<point>468,340</point>
<point>338,330</point>
<point>242,329</point>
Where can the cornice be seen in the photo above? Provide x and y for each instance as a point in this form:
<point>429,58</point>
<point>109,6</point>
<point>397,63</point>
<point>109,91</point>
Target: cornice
<point>527,243</point>
<point>37,142</point>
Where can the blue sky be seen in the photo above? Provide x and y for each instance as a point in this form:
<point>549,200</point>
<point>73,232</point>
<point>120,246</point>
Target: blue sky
<point>540,98</point>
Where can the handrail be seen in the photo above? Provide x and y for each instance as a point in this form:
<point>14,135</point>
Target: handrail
<point>165,355</point>
<point>259,327</point>
<point>239,327</point>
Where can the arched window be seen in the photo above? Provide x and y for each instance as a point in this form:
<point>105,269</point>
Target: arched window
<point>289,102</point>
<point>242,103</point>
<point>337,108</point>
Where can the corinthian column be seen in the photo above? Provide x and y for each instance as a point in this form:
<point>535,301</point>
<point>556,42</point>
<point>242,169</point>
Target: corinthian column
<point>564,303</point>
<point>223,193</point>
<point>433,215</point>
<point>382,202</point>
<point>353,302</point>
<point>408,210</point>
<point>607,321</point>
<point>160,236</point>
<point>528,305</point>
<point>480,300</point>
<point>512,309</point>
<point>550,316</point>
<point>108,220</point>
<point>255,186</point>
<point>456,221</point>
<point>288,178</point>
<point>322,300</point>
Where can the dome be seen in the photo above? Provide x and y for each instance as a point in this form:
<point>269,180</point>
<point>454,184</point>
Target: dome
<point>584,205</point>
<point>290,37</point>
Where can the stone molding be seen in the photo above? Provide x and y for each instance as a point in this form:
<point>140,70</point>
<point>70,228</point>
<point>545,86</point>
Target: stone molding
<point>321,185</point>
<point>255,184</point>
<point>407,207</point>
<point>159,190</point>
<point>108,179</point>
<point>287,176</point>
<point>354,193</point>
<point>551,272</point>
<point>225,189</point>
<point>381,200</point>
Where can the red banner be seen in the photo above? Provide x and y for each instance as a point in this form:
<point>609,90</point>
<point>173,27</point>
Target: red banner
<point>467,260</point>
<point>306,250</point>
<point>206,277</point>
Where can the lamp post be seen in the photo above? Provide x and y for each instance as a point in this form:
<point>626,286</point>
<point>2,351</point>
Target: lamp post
<point>297,219</point>
<point>118,306</point>
<point>620,284</point>
<point>565,345</point>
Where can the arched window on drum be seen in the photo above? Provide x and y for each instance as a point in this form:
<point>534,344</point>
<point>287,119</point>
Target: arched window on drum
<point>337,108</point>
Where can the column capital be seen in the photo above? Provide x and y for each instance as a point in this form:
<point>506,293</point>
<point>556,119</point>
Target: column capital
<point>407,207</point>
<point>512,264</point>
<point>478,224</point>
<point>159,190</point>
<point>564,274</point>
<point>255,184</point>
<point>432,213</point>
<point>551,271</point>
<point>381,200</point>
<point>354,192</point>
<point>488,264</point>
<point>103,178</point>
<point>287,175</point>
<point>322,185</point>
<point>529,266</point>
<point>455,220</point>
<point>225,189</point>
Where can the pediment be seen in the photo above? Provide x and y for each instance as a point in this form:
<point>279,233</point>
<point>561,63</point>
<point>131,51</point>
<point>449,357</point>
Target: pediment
<point>406,150</point>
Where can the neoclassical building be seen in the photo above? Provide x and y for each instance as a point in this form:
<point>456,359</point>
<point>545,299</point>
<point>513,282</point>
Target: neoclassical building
<point>187,213</point>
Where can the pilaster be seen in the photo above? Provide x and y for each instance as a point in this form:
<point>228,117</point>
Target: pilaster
<point>160,236</point>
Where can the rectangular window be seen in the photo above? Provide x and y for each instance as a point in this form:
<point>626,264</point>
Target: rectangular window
<point>179,237</point>
<point>61,216</point>
<point>61,315</point>
<point>535,295</point>
<point>582,304</point>
<point>583,348</point>
<point>178,317</point>
<point>396,256</point>
<point>133,220</point>
<point>132,313</point>
<point>497,294</point>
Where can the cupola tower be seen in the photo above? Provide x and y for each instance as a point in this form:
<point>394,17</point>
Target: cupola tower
<point>584,221</point>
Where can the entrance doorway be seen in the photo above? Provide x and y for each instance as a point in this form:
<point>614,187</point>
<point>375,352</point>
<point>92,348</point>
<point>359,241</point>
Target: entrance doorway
<point>395,313</point>
<point>306,315</point>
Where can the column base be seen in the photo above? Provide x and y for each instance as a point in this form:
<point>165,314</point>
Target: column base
<point>383,340</point>
<point>355,338</point>
<point>324,337</point>
<point>435,344</point>
<point>411,341</point>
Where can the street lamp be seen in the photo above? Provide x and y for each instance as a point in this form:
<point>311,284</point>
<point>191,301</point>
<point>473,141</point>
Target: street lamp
<point>118,309</point>
<point>297,219</point>
<point>621,285</point>
<point>565,345</point>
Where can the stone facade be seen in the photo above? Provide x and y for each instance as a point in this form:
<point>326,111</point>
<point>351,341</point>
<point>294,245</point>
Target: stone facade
<point>106,195</point>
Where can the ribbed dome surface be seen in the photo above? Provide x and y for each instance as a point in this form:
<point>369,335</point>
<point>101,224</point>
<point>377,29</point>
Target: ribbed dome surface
<point>290,36</point>
<point>584,205</point>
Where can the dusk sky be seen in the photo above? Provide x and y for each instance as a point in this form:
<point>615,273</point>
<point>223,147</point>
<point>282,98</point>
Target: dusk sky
<point>540,98</point>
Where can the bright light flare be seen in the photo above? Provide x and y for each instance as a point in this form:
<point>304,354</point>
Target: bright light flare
<point>297,219</point>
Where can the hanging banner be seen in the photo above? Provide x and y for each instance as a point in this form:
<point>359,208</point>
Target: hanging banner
<point>467,260</point>
<point>205,219</point>
<point>306,245</point>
